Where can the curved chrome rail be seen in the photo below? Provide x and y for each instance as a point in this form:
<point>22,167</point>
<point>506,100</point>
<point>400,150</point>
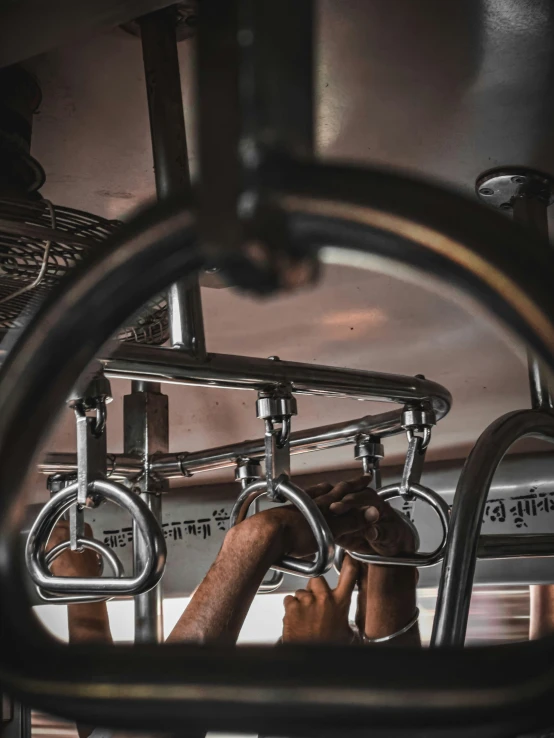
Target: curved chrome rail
<point>449,626</point>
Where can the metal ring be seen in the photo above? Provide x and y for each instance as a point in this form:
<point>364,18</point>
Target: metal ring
<point>148,526</point>
<point>318,525</point>
<point>102,550</point>
<point>420,560</point>
<point>340,553</point>
<point>273,584</point>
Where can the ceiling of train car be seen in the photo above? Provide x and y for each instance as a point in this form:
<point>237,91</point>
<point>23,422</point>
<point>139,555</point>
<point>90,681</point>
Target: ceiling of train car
<point>442,90</point>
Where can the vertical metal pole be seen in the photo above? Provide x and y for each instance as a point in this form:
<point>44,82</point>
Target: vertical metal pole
<point>146,431</point>
<point>531,211</point>
<point>169,148</point>
<point>15,719</point>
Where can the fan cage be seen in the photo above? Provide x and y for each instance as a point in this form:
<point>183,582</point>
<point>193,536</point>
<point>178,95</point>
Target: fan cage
<point>39,244</point>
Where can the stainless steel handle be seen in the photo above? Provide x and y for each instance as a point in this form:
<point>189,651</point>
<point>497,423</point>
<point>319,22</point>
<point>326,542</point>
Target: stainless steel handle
<point>324,538</point>
<point>35,550</point>
<point>102,550</point>
<point>417,559</point>
<point>273,584</point>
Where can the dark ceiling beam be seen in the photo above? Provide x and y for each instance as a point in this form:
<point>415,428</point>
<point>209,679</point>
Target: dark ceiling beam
<point>31,27</point>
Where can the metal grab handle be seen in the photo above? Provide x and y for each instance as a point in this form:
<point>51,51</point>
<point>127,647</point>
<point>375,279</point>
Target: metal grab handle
<point>273,584</point>
<point>102,550</point>
<point>35,549</point>
<point>324,538</point>
<point>420,560</point>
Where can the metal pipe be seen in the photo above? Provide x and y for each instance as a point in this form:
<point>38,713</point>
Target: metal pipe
<point>149,624</point>
<point>151,363</point>
<point>175,465</point>
<point>530,210</point>
<point>314,439</point>
<point>515,546</point>
<point>456,582</point>
<point>539,384</point>
<point>146,431</point>
<point>169,148</point>
<point>119,466</point>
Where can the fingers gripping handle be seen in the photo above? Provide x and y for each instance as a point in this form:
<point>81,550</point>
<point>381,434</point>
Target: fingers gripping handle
<point>324,538</point>
<point>150,530</point>
<point>421,560</point>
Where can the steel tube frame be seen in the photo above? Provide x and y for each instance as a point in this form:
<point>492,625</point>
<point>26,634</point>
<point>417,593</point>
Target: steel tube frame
<point>450,623</point>
<point>531,211</point>
<point>395,221</point>
<point>175,465</point>
<point>169,149</point>
<point>136,362</point>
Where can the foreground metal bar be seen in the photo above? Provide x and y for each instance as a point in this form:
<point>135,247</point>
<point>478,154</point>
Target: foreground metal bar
<point>287,691</point>
<point>133,361</point>
<point>171,167</point>
<point>454,596</point>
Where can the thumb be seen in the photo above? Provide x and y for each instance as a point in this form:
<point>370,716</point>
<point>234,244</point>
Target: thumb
<point>347,578</point>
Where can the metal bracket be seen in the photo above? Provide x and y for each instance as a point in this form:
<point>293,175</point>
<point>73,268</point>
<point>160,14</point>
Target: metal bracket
<point>370,450</point>
<point>415,419</point>
<point>499,187</point>
<point>92,450</point>
<point>248,471</point>
<point>276,409</point>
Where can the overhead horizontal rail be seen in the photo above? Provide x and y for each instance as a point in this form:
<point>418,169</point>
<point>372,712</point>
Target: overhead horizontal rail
<point>176,465</point>
<point>155,364</point>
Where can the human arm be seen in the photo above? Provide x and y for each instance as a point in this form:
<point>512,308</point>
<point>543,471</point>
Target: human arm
<point>87,622</point>
<point>387,597</point>
<point>222,600</point>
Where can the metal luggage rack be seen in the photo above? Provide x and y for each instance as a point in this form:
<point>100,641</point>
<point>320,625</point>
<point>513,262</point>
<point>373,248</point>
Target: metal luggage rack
<point>265,216</point>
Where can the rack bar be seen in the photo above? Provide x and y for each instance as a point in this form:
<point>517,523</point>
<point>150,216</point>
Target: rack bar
<point>530,210</point>
<point>156,364</point>
<point>174,465</point>
<point>515,546</point>
<point>169,149</point>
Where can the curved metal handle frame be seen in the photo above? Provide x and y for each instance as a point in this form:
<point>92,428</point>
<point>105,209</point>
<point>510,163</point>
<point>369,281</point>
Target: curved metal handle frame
<point>149,528</point>
<point>273,584</point>
<point>420,560</point>
<point>102,550</point>
<point>324,538</point>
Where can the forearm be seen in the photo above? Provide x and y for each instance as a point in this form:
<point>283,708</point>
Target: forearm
<point>390,600</point>
<point>221,602</point>
<point>542,610</point>
<point>89,623</point>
